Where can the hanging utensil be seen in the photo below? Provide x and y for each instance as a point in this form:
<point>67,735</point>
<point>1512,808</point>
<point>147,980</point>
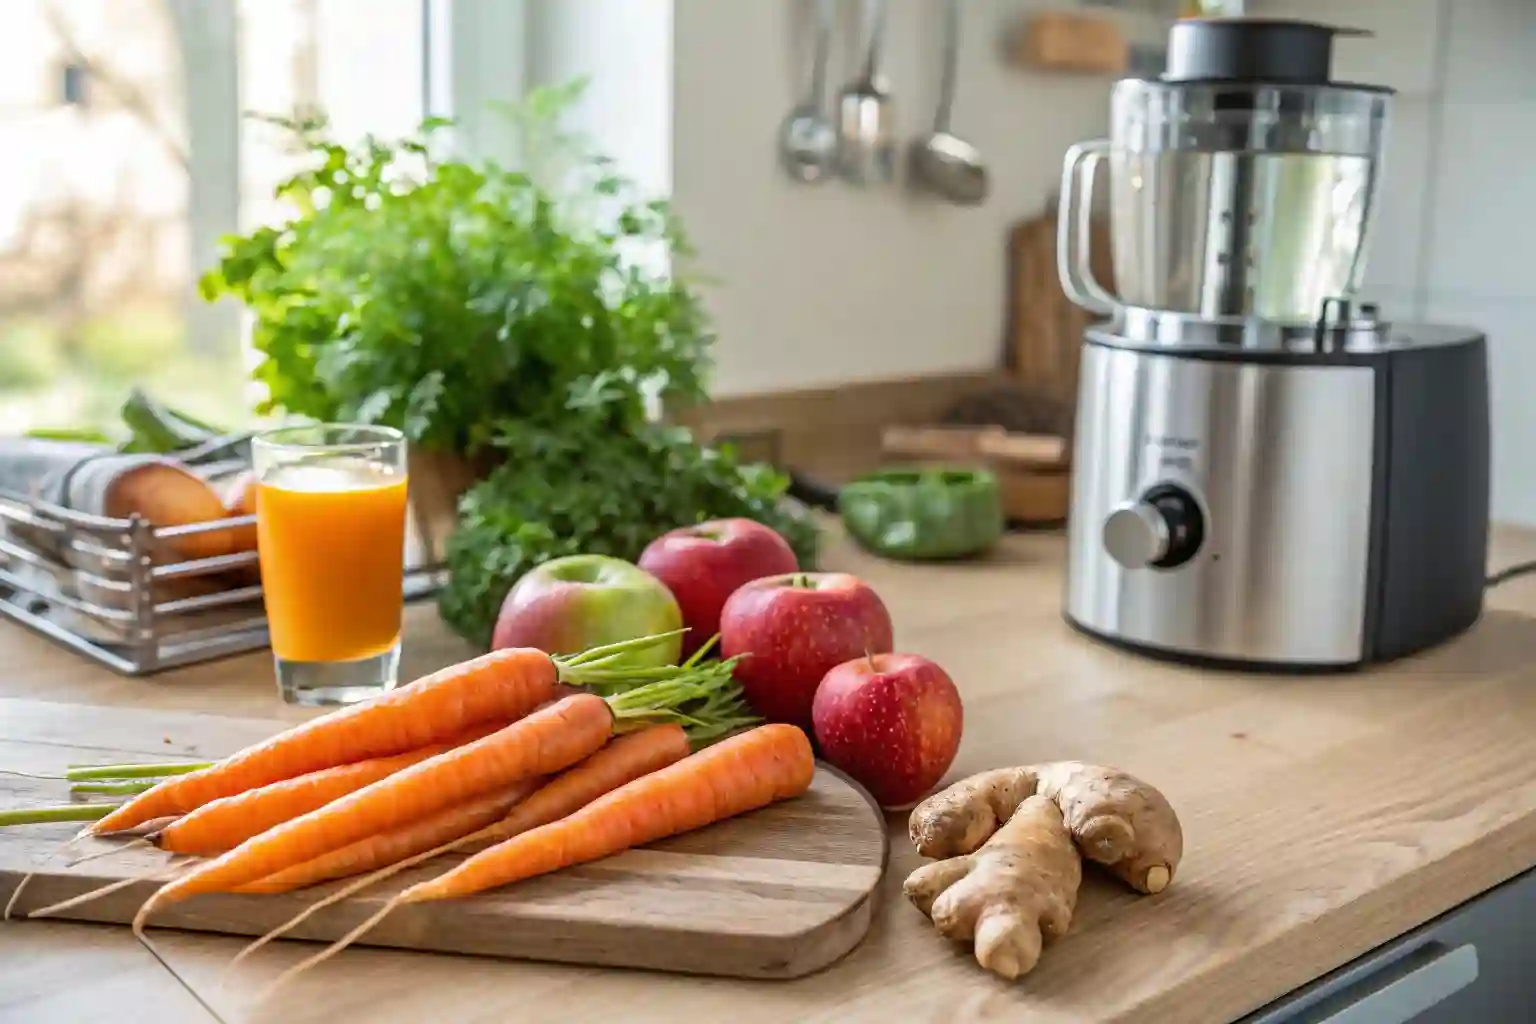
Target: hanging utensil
<point>866,113</point>
<point>808,139</point>
<point>943,163</point>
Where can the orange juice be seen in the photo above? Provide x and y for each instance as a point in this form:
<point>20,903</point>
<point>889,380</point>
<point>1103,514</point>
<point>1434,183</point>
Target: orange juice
<point>331,535</point>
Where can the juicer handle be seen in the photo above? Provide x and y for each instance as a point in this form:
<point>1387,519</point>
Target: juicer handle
<point>1074,229</point>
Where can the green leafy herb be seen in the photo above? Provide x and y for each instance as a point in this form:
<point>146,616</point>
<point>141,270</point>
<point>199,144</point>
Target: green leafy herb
<point>588,488</point>
<point>504,315</point>
<point>446,298</point>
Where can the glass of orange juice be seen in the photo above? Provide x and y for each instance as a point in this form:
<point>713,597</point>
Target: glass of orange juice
<point>330,527</point>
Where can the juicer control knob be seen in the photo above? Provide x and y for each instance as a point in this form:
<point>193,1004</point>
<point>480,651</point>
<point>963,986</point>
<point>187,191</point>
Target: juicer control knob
<point>1161,529</point>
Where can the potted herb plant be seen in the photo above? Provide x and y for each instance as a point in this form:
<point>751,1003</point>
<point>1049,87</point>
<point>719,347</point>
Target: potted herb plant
<point>493,314</point>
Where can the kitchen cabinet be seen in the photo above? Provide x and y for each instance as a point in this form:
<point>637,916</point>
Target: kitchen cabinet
<point>1473,964</point>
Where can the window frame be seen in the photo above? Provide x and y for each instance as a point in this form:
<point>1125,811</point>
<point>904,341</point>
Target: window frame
<point>207,35</point>
<point>474,52</point>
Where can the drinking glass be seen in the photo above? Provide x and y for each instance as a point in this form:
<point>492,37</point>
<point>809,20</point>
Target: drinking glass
<point>330,523</point>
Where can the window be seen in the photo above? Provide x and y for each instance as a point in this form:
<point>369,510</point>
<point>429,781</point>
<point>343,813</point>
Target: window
<point>127,157</point>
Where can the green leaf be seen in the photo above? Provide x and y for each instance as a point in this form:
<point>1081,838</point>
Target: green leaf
<point>422,402</point>
<point>374,407</point>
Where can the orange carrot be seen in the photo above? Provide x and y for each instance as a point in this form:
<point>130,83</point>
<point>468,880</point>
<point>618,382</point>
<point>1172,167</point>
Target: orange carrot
<point>223,824</point>
<point>391,849</point>
<point>500,686</point>
<point>546,741</point>
<point>736,775</point>
<point>739,774</point>
<point>625,759</point>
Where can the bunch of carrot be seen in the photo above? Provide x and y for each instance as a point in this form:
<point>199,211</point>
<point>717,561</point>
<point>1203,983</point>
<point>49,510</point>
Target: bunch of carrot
<point>511,751</point>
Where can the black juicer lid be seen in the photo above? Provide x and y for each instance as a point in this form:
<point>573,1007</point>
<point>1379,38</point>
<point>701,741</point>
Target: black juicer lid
<point>1270,50</point>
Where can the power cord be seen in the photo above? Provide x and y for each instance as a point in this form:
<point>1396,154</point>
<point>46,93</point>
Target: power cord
<point>1510,572</point>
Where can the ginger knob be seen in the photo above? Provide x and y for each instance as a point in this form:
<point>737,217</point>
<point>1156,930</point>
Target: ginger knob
<point>1009,897</point>
<point>1014,839</point>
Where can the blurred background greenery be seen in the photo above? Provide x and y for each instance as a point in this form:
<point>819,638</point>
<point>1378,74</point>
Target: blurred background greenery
<point>51,377</point>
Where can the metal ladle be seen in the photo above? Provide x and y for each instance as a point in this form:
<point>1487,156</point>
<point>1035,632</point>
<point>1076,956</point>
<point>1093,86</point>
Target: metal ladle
<point>943,163</point>
<point>866,116</point>
<point>808,140</point>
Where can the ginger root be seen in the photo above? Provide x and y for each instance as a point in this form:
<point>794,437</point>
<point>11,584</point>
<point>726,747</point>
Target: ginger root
<point>1003,882</point>
<point>1116,819</point>
<point>1009,896</point>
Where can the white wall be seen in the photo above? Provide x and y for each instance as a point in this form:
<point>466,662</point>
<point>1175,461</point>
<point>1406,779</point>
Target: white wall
<point>821,285</point>
<point>1456,239</point>
<point>624,50</point>
<point>825,284</point>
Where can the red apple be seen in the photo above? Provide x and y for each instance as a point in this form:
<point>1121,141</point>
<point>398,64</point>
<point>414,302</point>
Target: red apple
<point>793,629</point>
<point>892,721</point>
<point>703,565</point>
<point>570,604</point>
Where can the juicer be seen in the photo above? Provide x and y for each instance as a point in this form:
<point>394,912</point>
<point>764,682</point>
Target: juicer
<point>1267,471</point>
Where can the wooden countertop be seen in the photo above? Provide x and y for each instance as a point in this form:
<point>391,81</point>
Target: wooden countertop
<point>1323,816</point>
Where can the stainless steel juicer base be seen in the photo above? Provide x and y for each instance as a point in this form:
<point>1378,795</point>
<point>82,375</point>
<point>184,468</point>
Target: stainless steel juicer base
<point>1269,507</point>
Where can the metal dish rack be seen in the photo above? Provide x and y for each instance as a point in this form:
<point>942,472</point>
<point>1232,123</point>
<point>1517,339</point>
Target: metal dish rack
<point>106,588</point>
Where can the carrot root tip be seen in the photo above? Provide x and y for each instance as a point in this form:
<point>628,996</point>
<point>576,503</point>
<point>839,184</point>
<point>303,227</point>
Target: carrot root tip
<point>349,889</point>
<point>10,904</point>
<point>86,897</point>
<point>141,919</point>
<point>26,879</point>
<point>334,948</point>
<point>106,853</point>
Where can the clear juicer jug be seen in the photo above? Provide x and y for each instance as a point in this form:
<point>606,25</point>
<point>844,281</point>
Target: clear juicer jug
<point>1229,197</point>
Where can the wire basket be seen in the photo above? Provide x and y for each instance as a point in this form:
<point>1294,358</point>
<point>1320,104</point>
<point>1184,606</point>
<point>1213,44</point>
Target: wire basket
<point>110,590</point>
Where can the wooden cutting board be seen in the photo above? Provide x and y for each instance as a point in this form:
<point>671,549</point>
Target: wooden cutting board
<point>778,893</point>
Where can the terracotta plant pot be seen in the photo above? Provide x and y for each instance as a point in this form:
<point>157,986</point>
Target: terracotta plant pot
<point>437,481</point>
